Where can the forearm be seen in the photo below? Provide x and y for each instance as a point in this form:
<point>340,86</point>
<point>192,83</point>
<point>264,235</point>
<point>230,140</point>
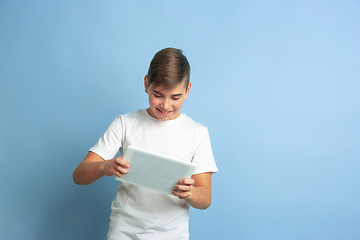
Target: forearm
<point>200,197</point>
<point>88,172</point>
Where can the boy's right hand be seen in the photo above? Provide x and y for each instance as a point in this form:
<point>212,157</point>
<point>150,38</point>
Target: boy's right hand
<point>116,166</point>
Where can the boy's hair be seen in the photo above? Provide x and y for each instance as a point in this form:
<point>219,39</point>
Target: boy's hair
<point>168,68</point>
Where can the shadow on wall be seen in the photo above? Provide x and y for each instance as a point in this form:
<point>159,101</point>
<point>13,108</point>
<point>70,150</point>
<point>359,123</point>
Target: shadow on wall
<point>78,212</point>
<point>44,203</point>
<point>43,206</point>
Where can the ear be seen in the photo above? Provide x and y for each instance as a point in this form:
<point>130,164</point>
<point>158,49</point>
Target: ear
<point>187,90</point>
<point>146,84</point>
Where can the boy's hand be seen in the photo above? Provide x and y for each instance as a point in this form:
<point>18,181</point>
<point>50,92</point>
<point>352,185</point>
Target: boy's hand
<point>116,166</point>
<point>184,188</point>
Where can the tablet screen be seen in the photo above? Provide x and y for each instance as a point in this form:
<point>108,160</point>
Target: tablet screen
<point>154,171</point>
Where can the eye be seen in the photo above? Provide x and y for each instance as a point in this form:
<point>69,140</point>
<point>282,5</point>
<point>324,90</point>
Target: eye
<point>157,96</point>
<point>175,98</point>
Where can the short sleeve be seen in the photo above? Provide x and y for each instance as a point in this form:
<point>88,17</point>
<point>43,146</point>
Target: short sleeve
<point>203,157</point>
<point>110,143</point>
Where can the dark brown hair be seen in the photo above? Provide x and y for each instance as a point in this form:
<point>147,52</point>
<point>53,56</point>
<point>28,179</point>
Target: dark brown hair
<point>168,68</point>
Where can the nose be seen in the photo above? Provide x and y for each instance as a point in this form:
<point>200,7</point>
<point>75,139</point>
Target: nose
<point>166,104</point>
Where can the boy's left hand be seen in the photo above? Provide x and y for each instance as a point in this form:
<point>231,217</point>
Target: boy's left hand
<point>184,188</point>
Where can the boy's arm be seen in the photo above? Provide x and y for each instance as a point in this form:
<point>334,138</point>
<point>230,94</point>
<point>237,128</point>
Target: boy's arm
<point>195,191</point>
<point>94,167</point>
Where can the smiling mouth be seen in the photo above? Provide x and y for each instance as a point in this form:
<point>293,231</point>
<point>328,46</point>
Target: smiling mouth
<point>163,112</point>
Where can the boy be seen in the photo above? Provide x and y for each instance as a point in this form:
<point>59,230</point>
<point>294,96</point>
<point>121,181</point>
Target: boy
<point>139,213</point>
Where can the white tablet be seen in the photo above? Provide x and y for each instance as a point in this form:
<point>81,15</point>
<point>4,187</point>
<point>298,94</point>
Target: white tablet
<point>154,171</point>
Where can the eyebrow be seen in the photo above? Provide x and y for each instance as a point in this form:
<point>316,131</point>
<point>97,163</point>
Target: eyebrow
<point>174,95</point>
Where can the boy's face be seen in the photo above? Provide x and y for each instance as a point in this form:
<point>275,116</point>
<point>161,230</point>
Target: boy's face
<point>166,104</point>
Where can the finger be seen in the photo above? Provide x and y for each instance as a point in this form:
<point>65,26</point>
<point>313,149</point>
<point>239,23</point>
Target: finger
<point>119,160</point>
<point>117,173</point>
<point>121,169</point>
<point>183,187</point>
<point>187,181</point>
<point>181,195</point>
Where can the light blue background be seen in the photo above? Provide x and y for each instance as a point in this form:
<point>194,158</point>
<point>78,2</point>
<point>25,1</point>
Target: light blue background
<point>276,82</point>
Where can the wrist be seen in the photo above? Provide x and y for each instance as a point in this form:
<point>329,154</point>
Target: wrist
<point>102,167</point>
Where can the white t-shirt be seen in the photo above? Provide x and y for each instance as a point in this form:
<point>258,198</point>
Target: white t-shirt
<point>140,213</point>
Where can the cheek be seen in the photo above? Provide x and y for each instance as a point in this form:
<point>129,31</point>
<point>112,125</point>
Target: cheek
<point>153,101</point>
<point>178,104</point>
